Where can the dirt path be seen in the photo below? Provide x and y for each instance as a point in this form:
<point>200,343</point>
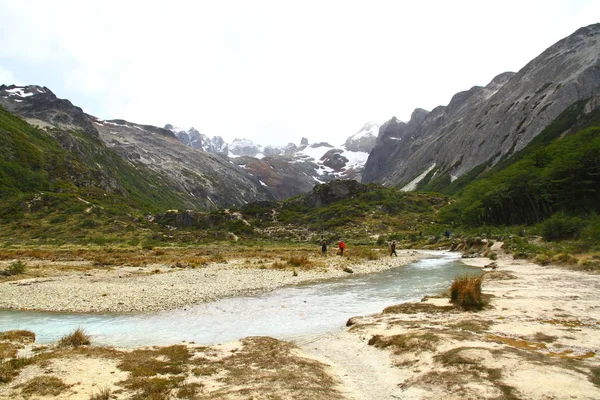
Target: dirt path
<point>363,370</point>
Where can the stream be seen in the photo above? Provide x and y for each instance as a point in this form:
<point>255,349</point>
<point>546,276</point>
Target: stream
<point>294,313</point>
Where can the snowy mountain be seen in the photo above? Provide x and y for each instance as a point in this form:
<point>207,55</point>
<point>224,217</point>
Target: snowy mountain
<point>292,169</point>
<point>363,140</point>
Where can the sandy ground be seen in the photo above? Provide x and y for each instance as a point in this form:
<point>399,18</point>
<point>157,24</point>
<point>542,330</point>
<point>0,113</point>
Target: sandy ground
<point>538,338</point>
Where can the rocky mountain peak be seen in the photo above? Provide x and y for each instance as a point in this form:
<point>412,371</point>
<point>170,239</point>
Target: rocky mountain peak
<point>39,106</point>
<point>483,125</point>
<point>363,140</point>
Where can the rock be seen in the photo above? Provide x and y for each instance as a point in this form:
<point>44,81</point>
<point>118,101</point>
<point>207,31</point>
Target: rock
<point>491,265</point>
<point>348,270</point>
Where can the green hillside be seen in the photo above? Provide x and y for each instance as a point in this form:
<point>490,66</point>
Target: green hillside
<point>49,193</point>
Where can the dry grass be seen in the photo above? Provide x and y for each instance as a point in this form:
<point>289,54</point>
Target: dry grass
<point>103,394</point>
<point>75,339</point>
<point>465,292</point>
<point>166,360</point>
<point>45,385</point>
<point>20,336</point>
<point>415,308</point>
<point>10,368</point>
<point>416,342</point>
<point>268,367</point>
<point>298,261</point>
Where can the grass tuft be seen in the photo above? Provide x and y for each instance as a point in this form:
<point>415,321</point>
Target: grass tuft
<point>75,339</point>
<point>103,394</point>
<point>465,292</point>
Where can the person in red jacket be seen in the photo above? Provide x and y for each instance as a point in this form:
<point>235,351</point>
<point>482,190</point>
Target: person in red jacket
<point>341,246</point>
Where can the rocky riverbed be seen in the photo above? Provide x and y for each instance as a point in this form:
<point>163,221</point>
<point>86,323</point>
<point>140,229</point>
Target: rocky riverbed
<point>160,287</point>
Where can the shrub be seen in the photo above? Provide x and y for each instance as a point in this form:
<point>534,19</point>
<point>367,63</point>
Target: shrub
<point>465,292</point>
<point>561,226</point>
<point>75,339</point>
<point>542,259</point>
<point>16,268</point>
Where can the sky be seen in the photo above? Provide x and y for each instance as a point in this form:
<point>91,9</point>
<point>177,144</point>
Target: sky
<point>273,71</point>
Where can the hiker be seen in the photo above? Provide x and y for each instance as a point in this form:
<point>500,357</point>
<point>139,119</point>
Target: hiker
<point>393,249</point>
<point>341,247</point>
<point>447,234</point>
<point>323,248</point>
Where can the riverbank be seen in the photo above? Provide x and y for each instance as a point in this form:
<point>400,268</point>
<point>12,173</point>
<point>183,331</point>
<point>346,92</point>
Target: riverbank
<point>85,288</point>
<point>538,338</point>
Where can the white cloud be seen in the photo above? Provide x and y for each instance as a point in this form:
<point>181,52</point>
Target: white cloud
<point>7,77</point>
<point>274,71</point>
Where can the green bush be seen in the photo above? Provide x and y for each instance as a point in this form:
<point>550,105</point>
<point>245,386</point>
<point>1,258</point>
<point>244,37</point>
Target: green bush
<point>16,268</point>
<point>561,226</point>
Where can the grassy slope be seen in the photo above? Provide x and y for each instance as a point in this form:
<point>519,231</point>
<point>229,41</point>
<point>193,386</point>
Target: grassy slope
<point>49,193</point>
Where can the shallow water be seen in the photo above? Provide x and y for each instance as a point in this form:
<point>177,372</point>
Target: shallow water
<point>291,313</point>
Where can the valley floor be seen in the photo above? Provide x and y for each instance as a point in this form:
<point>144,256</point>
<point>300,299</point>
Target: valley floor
<point>538,338</point>
<point>79,286</point>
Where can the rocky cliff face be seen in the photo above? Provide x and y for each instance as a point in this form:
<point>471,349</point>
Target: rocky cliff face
<point>203,180</point>
<point>483,125</point>
<point>208,180</point>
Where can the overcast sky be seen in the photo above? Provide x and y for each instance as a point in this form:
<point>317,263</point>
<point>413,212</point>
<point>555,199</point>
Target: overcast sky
<point>273,71</point>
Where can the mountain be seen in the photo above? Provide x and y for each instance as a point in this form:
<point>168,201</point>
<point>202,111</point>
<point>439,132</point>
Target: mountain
<point>291,170</point>
<point>197,140</point>
<point>120,154</point>
<point>484,125</point>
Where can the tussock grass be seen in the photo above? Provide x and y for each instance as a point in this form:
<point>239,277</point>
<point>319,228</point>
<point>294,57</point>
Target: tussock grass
<point>75,339</point>
<point>465,292</point>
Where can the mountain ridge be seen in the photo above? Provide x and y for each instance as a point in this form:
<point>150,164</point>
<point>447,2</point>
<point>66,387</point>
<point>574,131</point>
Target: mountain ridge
<point>484,125</point>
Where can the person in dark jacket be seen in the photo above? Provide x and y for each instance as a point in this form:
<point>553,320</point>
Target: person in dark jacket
<point>393,249</point>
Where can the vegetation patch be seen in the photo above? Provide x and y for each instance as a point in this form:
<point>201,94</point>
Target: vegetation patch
<point>45,385</point>
<point>269,367</point>
<point>499,275</point>
<point>465,292</point>
<point>19,336</point>
<point>75,339</point>
<point>520,344</point>
<point>145,363</point>
<point>103,394</point>
<point>415,342</point>
<point>475,326</point>
<point>463,373</point>
<point>416,308</point>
